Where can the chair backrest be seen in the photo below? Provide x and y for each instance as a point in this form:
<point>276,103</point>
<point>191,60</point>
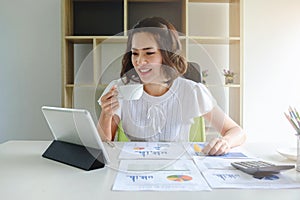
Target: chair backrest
<point>197,131</point>
<point>193,72</point>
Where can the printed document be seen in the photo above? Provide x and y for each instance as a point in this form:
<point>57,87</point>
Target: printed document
<point>219,173</point>
<point>238,179</point>
<point>159,175</point>
<point>152,150</point>
<point>195,149</point>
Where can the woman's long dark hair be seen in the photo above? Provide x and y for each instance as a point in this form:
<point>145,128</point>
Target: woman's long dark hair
<point>167,38</point>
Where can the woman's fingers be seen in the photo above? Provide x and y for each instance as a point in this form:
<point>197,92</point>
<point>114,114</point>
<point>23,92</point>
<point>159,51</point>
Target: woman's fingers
<point>217,146</point>
<point>109,102</point>
<point>112,93</point>
<point>208,148</point>
<point>223,148</point>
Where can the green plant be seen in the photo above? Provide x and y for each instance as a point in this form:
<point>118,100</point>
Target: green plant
<point>228,73</point>
<point>204,73</point>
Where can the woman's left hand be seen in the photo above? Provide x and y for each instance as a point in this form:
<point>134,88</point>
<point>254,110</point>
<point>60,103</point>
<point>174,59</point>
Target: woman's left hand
<point>216,147</point>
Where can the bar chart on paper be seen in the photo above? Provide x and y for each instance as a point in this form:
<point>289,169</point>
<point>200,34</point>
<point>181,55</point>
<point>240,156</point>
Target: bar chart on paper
<point>238,179</point>
<point>151,150</point>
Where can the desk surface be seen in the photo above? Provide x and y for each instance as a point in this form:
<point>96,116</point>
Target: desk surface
<point>24,174</point>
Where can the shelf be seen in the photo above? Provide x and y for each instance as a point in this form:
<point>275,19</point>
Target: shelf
<point>69,85</point>
<point>169,10</point>
<point>215,40</point>
<point>123,39</point>
<point>84,85</point>
<point>211,1</point>
<point>90,39</point>
<point>151,1</point>
<point>232,85</point>
<point>112,39</point>
<point>224,85</point>
<point>93,85</point>
<point>79,39</point>
<point>95,17</point>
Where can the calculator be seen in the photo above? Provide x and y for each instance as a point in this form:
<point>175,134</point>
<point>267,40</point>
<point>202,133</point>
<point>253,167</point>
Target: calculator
<point>259,168</point>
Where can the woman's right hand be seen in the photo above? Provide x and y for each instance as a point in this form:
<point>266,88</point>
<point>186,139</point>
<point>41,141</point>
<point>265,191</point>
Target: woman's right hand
<point>109,102</point>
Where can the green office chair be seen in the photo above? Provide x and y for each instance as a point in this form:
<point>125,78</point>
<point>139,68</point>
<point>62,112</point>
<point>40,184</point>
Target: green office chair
<point>197,131</point>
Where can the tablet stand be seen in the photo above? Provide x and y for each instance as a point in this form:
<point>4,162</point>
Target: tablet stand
<point>75,155</point>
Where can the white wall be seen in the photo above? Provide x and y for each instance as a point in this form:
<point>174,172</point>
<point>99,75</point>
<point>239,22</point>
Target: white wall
<point>272,67</point>
<point>30,66</point>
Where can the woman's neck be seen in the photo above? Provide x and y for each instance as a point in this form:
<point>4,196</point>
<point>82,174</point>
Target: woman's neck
<point>155,89</point>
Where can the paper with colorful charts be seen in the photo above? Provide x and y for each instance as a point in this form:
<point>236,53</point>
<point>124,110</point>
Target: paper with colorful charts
<point>159,175</point>
<point>152,150</point>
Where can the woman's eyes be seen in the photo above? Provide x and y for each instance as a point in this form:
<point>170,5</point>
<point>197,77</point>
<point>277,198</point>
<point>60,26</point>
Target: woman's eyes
<point>147,53</point>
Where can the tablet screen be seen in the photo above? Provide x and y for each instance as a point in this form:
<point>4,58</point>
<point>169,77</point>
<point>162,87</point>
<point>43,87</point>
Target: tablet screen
<point>74,126</point>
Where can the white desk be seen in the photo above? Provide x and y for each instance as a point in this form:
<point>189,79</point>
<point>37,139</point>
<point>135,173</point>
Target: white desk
<point>24,174</point>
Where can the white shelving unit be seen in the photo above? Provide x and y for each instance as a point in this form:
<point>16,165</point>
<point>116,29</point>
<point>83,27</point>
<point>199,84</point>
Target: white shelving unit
<point>92,46</point>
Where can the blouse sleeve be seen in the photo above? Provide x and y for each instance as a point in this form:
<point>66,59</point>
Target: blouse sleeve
<point>198,102</point>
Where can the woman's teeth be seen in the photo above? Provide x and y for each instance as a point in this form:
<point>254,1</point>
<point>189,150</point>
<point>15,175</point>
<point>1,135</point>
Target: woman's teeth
<point>144,70</point>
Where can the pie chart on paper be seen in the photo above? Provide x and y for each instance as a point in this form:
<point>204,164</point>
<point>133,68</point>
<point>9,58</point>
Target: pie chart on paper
<point>179,178</point>
<point>138,148</point>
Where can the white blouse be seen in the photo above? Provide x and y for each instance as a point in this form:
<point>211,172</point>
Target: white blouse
<point>167,117</point>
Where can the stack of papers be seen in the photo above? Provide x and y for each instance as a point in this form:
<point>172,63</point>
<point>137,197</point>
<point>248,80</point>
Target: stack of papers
<point>159,166</point>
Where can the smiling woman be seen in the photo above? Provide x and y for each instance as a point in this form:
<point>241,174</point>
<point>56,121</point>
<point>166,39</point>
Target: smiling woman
<point>169,103</point>
<point>146,58</point>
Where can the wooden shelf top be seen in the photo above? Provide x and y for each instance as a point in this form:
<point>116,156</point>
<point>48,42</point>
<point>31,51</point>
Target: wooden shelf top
<point>84,85</point>
<point>210,1</point>
<point>214,40</point>
<point>123,39</point>
<point>234,85</point>
<point>90,39</point>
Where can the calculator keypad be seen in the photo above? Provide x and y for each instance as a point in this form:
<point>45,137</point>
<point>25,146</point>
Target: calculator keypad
<point>255,167</point>
<point>255,164</point>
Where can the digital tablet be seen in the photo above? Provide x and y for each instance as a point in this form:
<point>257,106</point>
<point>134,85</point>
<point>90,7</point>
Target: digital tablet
<point>74,126</point>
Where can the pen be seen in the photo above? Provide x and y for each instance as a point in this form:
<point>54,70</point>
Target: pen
<point>298,116</point>
<point>112,145</point>
<point>292,123</point>
<point>292,114</point>
<point>295,116</point>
